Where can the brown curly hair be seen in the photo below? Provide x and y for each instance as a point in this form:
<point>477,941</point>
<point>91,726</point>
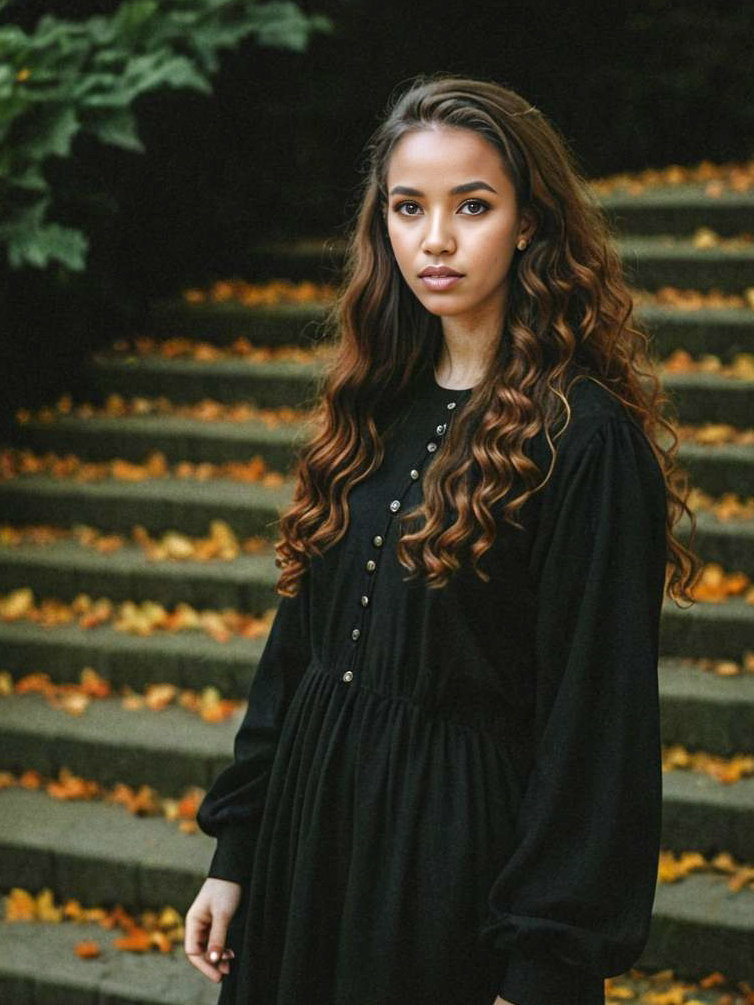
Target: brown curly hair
<point>568,306</point>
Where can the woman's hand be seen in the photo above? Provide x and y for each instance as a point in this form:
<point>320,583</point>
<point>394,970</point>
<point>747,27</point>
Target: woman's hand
<point>206,926</point>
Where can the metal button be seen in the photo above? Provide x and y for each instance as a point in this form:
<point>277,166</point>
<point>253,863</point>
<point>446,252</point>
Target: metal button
<point>441,428</point>
<point>431,446</point>
<point>348,675</point>
<point>395,505</point>
<point>377,541</point>
<point>355,633</point>
<point>414,473</point>
<point>364,601</point>
<point>371,565</point>
<point>451,404</point>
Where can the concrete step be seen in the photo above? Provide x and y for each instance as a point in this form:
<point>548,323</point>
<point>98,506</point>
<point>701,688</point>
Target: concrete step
<point>679,209</point>
<point>725,467</point>
<point>652,262</point>
<point>730,543</point>
<point>698,397</point>
<point>65,568</point>
<point>39,966</point>
<point>704,711</point>
<point>190,659</point>
<point>720,331</point>
<point>102,855</point>
<point>706,397</point>
<point>170,750</point>
<point>135,437</point>
<point>98,852</point>
<point>700,926</point>
<point>719,631</point>
<point>267,385</point>
<point>158,504</point>
<point>701,813</point>
<point>282,324</point>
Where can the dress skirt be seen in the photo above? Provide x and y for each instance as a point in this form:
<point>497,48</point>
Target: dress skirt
<point>381,834</point>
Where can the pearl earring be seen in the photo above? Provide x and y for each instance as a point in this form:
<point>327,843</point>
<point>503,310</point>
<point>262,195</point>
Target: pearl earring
<point>522,244</point>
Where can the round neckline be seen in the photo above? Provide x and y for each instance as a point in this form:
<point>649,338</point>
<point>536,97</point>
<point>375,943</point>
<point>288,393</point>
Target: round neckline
<point>454,390</point>
<point>431,391</point>
<point>449,390</point>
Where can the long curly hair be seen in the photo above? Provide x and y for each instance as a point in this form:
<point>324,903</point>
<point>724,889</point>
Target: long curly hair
<point>568,306</point>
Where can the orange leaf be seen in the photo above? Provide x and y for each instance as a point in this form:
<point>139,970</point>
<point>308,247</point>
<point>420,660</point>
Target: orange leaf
<point>94,685</point>
<point>20,905</point>
<point>138,940</point>
<point>87,950</point>
<point>46,909</point>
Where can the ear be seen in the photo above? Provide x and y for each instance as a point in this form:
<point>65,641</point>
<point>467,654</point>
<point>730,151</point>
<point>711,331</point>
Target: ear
<point>528,224</point>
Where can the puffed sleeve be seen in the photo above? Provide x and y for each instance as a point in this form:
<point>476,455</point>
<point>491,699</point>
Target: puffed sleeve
<point>232,807</point>
<point>573,902</point>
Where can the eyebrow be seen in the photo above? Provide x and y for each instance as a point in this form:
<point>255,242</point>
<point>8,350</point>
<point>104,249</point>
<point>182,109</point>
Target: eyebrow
<point>469,186</point>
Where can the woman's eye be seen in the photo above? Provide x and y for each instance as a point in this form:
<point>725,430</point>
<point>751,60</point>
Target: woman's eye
<point>469,202</point>
<point>476,202</point>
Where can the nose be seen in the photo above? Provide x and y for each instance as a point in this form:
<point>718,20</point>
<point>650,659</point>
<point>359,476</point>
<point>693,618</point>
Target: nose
<point>438,235</point>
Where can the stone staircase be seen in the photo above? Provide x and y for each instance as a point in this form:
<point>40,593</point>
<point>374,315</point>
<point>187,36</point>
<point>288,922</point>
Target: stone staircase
<point>102,855</point>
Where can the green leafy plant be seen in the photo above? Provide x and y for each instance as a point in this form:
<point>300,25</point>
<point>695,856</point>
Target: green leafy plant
<point>84,76</point>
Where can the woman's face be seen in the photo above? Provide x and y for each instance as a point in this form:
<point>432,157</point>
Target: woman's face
<point>473,231</point>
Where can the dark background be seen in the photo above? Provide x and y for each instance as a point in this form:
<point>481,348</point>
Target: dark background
<point>276,150</point>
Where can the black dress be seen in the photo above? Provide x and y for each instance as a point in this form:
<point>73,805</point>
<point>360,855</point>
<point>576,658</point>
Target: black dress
<point>439,796</point>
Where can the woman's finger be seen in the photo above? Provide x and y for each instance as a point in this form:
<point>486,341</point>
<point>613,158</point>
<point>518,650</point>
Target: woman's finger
<point>198,960</point>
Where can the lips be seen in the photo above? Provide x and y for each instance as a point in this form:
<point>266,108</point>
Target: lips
<point>442,270</point>
<point>441,282</point>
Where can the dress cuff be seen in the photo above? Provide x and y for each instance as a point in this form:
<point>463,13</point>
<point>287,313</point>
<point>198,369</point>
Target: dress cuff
<point>233,856</point>
<point>545,980</point>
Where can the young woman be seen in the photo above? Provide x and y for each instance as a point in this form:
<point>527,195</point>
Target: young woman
<point>446,789</point>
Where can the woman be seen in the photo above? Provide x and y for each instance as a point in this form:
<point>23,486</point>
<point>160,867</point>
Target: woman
<point>447,785</point>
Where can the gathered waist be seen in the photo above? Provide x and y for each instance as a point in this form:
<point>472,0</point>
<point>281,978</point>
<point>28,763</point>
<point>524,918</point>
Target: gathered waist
<point>499,725</point>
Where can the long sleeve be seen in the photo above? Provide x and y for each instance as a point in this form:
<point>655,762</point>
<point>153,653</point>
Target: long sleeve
<point>232,807</point>
<point>573,903</point>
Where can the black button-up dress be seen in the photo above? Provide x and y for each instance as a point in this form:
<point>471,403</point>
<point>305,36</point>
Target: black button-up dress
<point>439,796</point>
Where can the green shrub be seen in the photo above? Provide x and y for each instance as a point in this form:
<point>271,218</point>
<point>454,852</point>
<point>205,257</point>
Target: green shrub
<point>84,76</point>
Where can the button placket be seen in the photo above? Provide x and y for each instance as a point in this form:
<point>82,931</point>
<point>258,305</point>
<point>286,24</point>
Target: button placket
<point>432,444</point>
<point>379,539</point>
<point>370,569</point>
